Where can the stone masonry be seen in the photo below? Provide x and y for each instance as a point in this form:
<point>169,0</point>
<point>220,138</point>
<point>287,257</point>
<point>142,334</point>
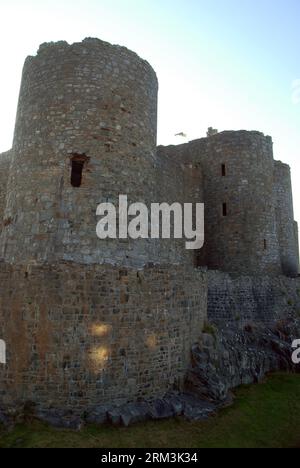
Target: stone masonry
<point>93,322</point>
<point>79,336</point>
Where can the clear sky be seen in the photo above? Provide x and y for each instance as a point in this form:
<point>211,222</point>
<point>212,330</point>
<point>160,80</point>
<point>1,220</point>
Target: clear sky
<point>224,63</point>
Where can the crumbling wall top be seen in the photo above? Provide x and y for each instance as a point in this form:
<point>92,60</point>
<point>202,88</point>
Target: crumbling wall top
<point>86,47</point>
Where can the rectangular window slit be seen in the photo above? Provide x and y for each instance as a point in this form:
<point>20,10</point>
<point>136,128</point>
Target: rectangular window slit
<point>224,209</point>
<point>265,244</point>
<point>76,177</point>
<point>223,170</point>
<point>77,165</point>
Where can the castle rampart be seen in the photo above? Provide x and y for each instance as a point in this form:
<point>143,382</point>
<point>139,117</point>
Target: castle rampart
<point>89,321</point>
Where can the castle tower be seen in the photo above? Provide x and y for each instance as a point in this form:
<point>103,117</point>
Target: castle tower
<point>286,226</point>
<point>240,224</point>
<point>85,133</point>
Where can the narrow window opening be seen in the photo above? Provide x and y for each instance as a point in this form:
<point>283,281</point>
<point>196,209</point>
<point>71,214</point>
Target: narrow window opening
<point>265,244</point>
<point>76,177</point>
<point>224,209</point>
<point>77,164</point>
<point>223,170</point>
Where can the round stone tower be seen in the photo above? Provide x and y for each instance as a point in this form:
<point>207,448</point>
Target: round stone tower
<point>286,226</point>
<point>240,228</point>
<point>85,133</point>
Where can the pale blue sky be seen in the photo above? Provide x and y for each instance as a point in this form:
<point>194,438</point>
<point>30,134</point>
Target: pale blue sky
<point>228,64</point>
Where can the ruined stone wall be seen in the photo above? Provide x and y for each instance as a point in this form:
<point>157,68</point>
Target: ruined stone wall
<point>88,100</point>
<point>240,299</point>
<point>84,335</point>
<point>287,231</point>
<point>5,159</point>
<point>240,227</point>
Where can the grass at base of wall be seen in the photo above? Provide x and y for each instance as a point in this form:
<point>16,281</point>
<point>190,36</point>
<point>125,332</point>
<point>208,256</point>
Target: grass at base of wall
<point>264,415</point>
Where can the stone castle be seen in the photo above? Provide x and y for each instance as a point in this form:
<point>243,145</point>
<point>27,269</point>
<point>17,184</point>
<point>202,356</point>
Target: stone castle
<point>88,321</point>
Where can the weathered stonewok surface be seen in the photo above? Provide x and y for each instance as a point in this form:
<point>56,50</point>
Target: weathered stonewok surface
<point>120,321</point>
<point>234,356</point>
<point>229,356</point>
